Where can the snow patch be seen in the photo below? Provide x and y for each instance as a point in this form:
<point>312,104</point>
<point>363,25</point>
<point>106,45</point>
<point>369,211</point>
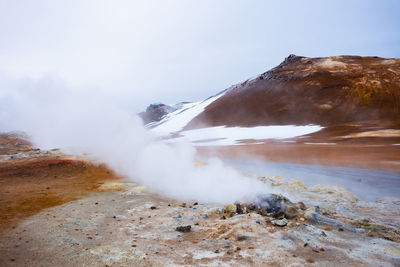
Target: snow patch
<point>226,136</point>
<point>329,63</point>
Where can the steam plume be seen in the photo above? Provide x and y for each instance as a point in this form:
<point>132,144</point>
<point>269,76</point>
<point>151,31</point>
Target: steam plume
<point>54,116</point>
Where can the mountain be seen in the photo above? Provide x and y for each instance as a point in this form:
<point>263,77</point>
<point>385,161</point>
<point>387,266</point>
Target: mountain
<point>342,95</point>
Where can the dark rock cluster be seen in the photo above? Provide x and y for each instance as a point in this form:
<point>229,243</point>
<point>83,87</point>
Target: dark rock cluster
<point>273,205</point>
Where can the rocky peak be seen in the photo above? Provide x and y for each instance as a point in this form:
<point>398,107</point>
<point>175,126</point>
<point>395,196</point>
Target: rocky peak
<point>155,112</point>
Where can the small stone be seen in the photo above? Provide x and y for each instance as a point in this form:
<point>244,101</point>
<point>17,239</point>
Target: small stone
<point>242,238</point>
<point>305,245</point>
<point>301,205</point>
<point>290,212</point>
<point>262,212</point>
<point>133,245</point>
<point>281,223</point>
<point>310,260</point>
<point>322,249</point>
<point>239,208</point>
<point>341,229</point>
<point>183,205</point>
<point>315,250</point>
<point>184,229</point>
<point>251,207</point>
<point>216,251</point>
<point>323,233</point>
<point>230,210</point>
<point>153,207</point>
<point>195,204</point>
<point>309,213</point>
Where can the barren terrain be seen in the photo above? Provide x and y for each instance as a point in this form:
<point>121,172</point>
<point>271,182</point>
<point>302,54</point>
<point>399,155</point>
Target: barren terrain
<point>58,210</point>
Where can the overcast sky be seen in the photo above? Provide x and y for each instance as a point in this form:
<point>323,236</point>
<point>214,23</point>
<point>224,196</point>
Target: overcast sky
<point>139,52</point>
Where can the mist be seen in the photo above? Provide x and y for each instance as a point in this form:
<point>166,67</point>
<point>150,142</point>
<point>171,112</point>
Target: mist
<point>79,121</point>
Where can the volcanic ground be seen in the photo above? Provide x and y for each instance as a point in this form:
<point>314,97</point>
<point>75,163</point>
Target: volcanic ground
<point>62,210</point>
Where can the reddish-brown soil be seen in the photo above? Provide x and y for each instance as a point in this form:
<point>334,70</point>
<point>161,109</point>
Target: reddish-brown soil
<point>30,185</point>
<point>324,91</point>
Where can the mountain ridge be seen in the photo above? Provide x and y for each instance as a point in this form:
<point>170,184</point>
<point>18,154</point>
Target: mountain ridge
<point>343,94</point>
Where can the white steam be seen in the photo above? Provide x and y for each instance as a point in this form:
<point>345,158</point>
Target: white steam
<point>56,117</point>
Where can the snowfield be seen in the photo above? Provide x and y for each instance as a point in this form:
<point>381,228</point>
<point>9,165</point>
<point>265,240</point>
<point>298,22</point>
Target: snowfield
<point>226,136</point>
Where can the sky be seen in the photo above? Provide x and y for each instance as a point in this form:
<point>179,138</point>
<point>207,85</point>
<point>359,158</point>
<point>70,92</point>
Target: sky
<point>140,52</point>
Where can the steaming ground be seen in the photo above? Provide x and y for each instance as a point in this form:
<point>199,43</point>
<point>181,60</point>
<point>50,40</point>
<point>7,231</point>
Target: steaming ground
<point>53,218</point>
<point>56,117</point>
<point>61,211</point>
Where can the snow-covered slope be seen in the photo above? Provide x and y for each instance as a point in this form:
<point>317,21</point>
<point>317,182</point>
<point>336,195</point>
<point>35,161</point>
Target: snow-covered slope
<point>177,120</point>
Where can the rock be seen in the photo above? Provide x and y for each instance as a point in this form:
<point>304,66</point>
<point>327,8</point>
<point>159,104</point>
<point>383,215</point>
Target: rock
<point>281,223</point>
<point>308,214</point>
<point>291,58</point>
<point>155,112</point>
<point>272,203</point>
<point>240,208</point>
<point>290,212</point>
<point>242,237</point>
<point>184,229</point>
<point>301,205</point>
<point>262,212</point>
<point>230,210</point>
<point>312,215</point>
<point>251,207</point>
